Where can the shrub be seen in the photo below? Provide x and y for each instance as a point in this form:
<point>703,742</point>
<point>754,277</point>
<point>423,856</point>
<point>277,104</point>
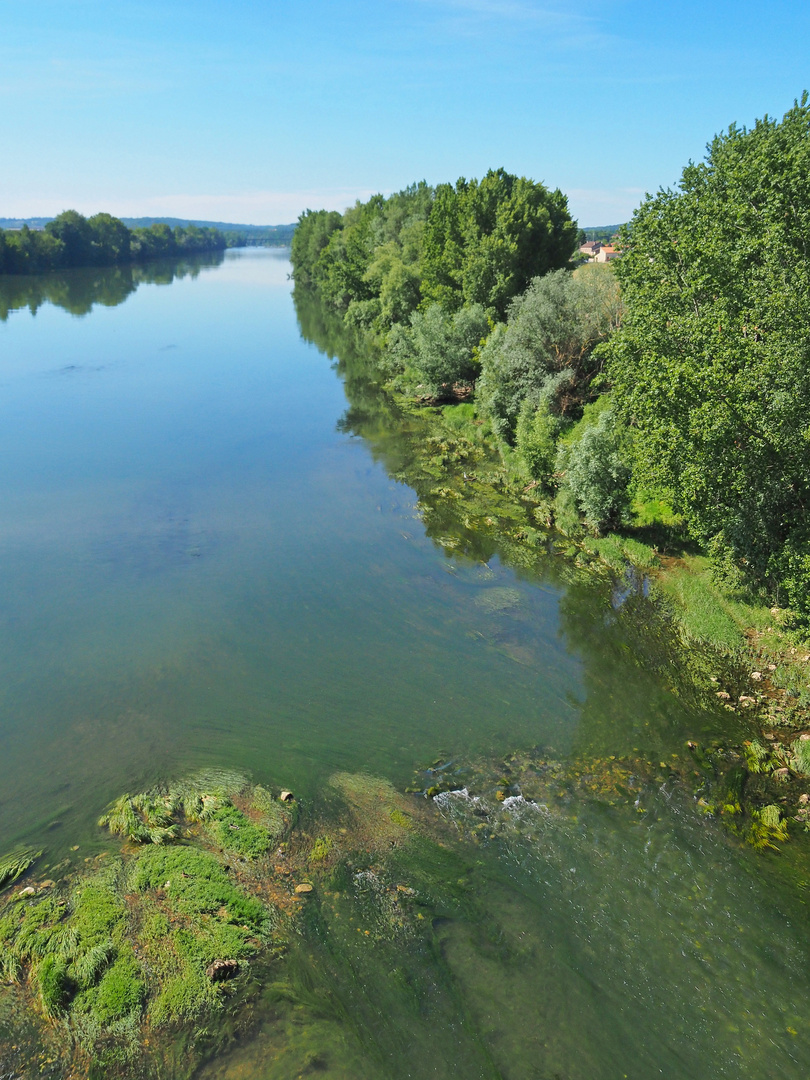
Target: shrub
<point>546,348</point>
<point>597,475</point>
<point>536,441</point>
<point>443,344</point>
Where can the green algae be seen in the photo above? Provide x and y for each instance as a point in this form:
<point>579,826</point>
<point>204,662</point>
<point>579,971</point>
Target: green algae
<point>124,947</point>
<point>15,864</point>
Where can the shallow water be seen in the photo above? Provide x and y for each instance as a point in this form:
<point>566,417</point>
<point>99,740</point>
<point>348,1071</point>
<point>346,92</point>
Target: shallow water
<point>206,560</point>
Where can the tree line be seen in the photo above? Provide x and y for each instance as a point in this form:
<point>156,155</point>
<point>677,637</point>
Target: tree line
<point>72,240</point>
<point>672,384</point>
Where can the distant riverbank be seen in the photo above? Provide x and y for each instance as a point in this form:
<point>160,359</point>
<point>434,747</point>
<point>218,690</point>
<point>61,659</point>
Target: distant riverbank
<point>72,240</point>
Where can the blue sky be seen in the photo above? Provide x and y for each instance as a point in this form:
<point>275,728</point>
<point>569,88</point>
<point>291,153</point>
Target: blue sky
<point>251,112</point>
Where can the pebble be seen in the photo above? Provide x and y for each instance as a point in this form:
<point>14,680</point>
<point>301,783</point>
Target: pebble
<point>304,887</point>
<point>28,891</point>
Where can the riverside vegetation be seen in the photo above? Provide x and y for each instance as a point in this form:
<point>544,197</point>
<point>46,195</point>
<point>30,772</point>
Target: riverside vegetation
<point>183,931</point>
<point>667,389</point>
<point>648,415</point>
<point>71,240</point>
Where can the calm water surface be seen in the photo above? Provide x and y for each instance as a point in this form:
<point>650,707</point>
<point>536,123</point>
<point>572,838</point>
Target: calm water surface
<point>202,564</point>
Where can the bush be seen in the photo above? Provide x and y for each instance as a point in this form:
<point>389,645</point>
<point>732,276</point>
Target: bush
<point>546,349</point>
<point>443,344</point>
<point>536,441</point>
<point>597,475</point>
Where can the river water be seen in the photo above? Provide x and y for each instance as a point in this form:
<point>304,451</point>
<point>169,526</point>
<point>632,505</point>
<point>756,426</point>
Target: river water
<point>207,558</point>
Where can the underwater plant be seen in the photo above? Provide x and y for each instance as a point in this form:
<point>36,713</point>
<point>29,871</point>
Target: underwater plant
<point>140,818</point>
<point>767,826</point>
<point>800,756</point>
<point>15,864</point>
<point>756,756</point>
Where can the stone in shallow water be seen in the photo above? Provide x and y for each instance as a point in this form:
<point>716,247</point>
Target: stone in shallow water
<point>497,600</point>
<point>221,970</point>
<point>304,887</point>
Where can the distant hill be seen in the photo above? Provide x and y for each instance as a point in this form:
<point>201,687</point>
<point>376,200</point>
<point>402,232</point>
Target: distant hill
<point>280,235</point>
<point>601,232</point>
<point>31,222</point>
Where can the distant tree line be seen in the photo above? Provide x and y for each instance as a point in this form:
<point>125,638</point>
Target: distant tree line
<point>71,240</point>
<point>261,236</point>
<point>670,385</point>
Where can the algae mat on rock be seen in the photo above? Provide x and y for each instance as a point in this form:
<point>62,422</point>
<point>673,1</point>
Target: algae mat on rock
<point>146,938</point>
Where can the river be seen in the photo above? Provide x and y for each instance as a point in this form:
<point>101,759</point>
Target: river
<point>208,558</point>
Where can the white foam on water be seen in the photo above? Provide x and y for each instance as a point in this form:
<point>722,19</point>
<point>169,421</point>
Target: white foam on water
<point>446,799</point>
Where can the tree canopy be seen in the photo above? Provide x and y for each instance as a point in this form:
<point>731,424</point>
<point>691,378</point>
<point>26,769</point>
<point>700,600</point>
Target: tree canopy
<point>712,364</point>
<point>472,243</point>
<point>485,240</point>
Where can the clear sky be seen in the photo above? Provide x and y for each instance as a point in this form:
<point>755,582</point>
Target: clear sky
<point>251,111</point>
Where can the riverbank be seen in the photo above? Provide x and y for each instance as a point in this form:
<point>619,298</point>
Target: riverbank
<point>475,499</point>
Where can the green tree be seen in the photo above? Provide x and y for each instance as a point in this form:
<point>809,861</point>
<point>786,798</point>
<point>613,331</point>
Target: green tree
<point>343,263</point>
<point>712,364</point>
<point>76,234</point>
<point>485,240</point>
<point>312,234</point>
<point>110,240</point>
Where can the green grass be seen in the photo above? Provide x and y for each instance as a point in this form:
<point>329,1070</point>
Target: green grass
<point>133,938</point>
<point>704,610</point>
<point>617,551</point>
<point>55,985</point>
<point>320,849</point>
<point>121,990</point>
<point>653,510</point>
<point>195,884</point>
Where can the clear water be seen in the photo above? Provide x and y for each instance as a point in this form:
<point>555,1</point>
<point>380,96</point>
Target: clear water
<point>205,559</point>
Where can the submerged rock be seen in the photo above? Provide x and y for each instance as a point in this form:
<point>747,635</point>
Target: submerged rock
<point>221,970</point>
